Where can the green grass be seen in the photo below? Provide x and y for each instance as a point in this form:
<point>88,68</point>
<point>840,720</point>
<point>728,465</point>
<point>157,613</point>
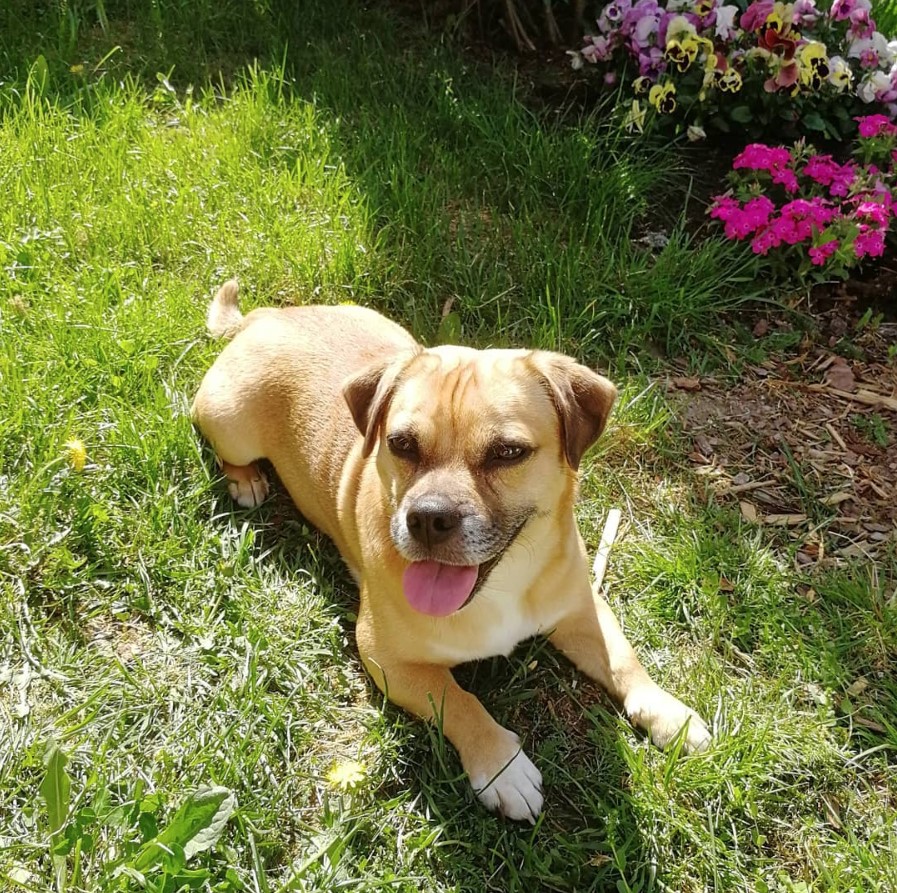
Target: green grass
<point>166,641</point>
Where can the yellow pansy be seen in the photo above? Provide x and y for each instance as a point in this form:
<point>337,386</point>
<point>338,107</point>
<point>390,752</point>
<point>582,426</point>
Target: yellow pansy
<point>641,85</point>
<point>781,14</point>
<point>730,81</point>
<point>814,64</point>
<point>840,76</point>
<point>663,97</point>
<point>683,52</point>
<point>679,28</point>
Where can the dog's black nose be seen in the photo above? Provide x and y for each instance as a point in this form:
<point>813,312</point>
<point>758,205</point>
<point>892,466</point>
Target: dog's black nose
<point>432,521</point>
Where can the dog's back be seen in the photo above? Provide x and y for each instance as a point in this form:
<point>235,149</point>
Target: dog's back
<point>284,370</point>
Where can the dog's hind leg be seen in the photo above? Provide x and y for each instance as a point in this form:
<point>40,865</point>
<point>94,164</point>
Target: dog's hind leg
<point>227,420</point>
<point>247,484</point>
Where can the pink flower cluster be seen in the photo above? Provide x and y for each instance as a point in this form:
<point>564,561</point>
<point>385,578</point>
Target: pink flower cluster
<point>876,125</point>
<point>829,213</point>
<point>796,221</point>
<point>776,162</point>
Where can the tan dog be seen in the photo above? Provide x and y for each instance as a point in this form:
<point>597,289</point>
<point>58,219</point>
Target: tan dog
<point>447,478</point>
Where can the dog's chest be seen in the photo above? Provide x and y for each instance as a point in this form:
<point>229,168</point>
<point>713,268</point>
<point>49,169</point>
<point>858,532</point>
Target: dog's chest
<point>493,624</point>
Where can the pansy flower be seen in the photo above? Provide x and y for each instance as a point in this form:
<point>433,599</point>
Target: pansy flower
<point>663,97</point>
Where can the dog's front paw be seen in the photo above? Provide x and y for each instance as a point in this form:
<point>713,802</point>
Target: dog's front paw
<point>663,716</point>
<point>507,782</point>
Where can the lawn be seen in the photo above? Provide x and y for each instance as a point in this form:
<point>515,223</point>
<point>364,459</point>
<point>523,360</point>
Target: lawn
<point>157,640</point>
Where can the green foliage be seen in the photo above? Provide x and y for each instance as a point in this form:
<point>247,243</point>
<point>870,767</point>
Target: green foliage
<point>171,643</point>
<point>119,838</point>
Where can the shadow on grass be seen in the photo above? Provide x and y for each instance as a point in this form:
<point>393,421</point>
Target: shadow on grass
<point>526,225</point>
<point>529,227</point>
<point>588,836</point>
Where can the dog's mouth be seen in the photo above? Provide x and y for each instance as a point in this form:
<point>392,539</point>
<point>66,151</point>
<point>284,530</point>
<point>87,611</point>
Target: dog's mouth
<point>439,589</point>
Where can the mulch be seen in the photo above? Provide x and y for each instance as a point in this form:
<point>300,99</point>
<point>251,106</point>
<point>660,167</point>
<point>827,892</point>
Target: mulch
<point>807,442</point>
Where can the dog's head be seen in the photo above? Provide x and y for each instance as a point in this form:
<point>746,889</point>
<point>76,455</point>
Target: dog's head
<point>471,446</point>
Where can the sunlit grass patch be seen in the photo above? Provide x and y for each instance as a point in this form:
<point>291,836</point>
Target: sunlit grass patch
<point>169,642</point>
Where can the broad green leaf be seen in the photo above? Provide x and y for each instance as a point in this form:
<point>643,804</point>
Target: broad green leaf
<point>39,75</point>
<point>55,788</point>
<point>742,114</point>
<point>195,827</point>
<point>450,330</point>
<point>813,121</point>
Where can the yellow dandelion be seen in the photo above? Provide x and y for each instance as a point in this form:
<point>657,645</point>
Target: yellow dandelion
<point>347,775</point>
<point>76,453</point>
<point>77,70</point>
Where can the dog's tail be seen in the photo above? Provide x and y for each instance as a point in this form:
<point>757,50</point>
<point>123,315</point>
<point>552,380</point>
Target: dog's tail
<point>224,318</point>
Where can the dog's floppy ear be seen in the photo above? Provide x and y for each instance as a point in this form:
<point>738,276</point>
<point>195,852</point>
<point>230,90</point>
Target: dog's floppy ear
<point>368,394</point>
<point>582,398</point>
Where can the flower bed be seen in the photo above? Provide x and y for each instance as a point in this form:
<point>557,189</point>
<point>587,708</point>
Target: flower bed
<point>760,68</point>
<point>811,214</point>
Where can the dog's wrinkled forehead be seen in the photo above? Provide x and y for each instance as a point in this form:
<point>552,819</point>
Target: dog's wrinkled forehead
<point>456,393</point>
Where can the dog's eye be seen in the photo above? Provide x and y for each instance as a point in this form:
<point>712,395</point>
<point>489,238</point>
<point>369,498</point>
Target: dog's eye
<point>506,453</point>
<point>404,446</point>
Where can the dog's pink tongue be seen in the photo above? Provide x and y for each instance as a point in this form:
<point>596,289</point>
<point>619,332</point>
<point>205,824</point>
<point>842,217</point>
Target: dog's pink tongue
<point>438,589</point>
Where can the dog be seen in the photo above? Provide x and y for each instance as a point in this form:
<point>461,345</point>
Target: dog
<point>446,477</point>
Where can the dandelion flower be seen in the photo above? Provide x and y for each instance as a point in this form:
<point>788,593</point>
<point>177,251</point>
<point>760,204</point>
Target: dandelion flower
<point>347,775</point>
<point>76,454</point>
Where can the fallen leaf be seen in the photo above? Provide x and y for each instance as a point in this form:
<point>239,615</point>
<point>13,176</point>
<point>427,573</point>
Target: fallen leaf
<point>785,520</point>
<point>748,512</point>
<point>686,384</point>
<point>836,498</point>
<point>703,445</point>
<point>868,724</point>
<point>856,550</point>
<point>832,811</point>
<point>840,376</point>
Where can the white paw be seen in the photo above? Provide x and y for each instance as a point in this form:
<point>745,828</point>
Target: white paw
<point>512,785</point>
<point>662,716</point>
<point>249,492</point>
